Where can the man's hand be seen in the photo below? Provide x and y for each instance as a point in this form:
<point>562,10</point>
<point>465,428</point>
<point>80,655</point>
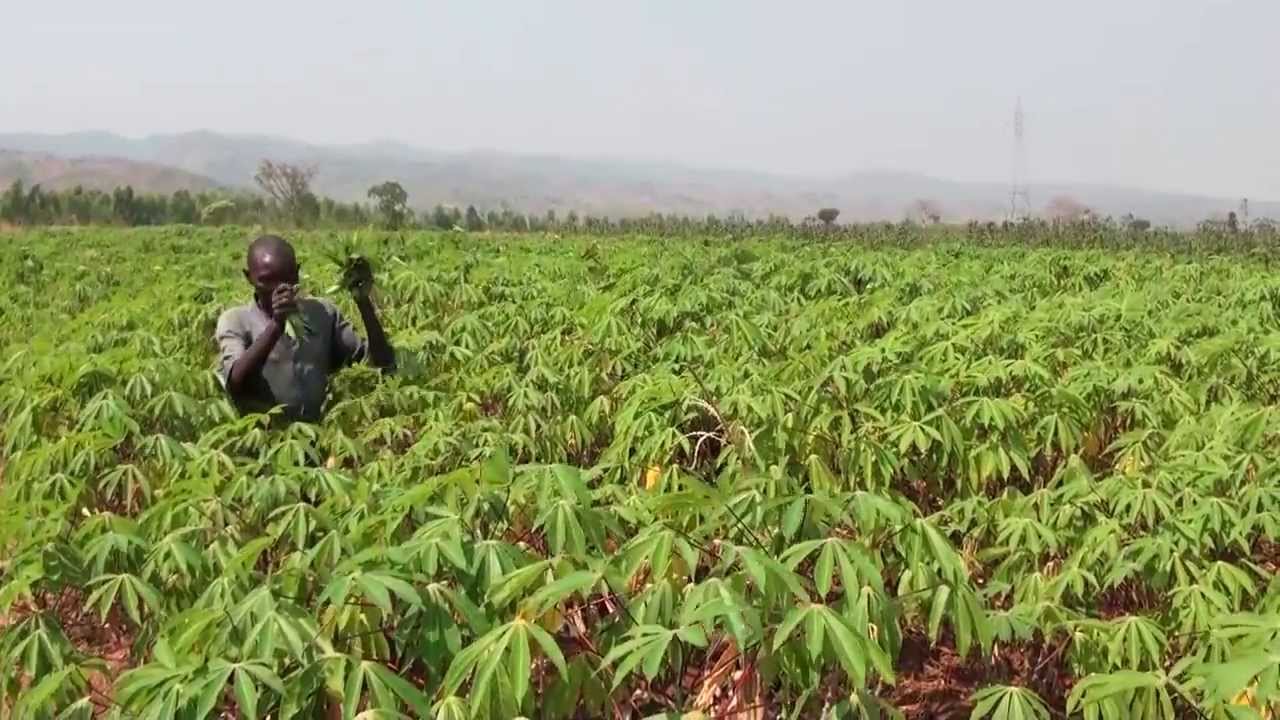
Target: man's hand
<point>360,279</point>
<point>284,302</point>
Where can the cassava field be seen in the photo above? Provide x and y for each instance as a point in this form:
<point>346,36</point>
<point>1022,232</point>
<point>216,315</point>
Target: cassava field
<point>634,478</point>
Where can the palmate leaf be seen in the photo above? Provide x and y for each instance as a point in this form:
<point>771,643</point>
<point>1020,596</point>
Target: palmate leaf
<point>1121,695</point>
<point>174,556</point>
<point>208,686</point>
<point>448,616</point>
<point>827,633</point>
<point>240,562</point>
<point>131,591</point>
<point>384,691</point>
<point>653,551</point>
<point>1248,629</point>
<point>1257,674</point>
<point>451,708</point>
<point>1196,607</point>
<point>285,631</point>
<point>928,553</point>
<point>42,699</point>
<point>496,470</point>
<point>21,576</point>
<point>153,691</point>
<point>118,544</point>
<point>293,523</point>
<point>563,524</point>
<point>376,587</point>
<point>504,651</point>
<point>493,560</point>
<point>857,565</point>
<point>1231,580</point>
<point>517,583</point>
<point>771,577</point>
<point>1131,643</point>
<point>862,704</point>
<point>1004,702</point>
<point>961,607</point>
<point>437,540</point>
<point>645,647</point>
<point>556,592</point>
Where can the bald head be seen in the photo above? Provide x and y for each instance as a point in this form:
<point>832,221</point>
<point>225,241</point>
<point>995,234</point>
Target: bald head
<point>270,248</point>
<point>270,262</point>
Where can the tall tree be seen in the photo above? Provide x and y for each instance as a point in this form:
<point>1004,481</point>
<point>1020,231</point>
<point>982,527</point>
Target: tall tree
<point>124,207</point>
<point>182,209</point>
<point>474,221</point>
<point>926,211</point>
<point>828,216</point>
<point>392,202</point>
<point>290,186</point>
<point>38,205</point>
<point>13,204</point>
<point>441,218</point>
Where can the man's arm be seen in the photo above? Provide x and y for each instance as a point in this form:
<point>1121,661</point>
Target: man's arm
<point>381,354</point>
<point>247,361</point>
<point>250,362</point>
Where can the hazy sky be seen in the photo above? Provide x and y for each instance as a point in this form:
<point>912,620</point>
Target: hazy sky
<point>1165,94</point>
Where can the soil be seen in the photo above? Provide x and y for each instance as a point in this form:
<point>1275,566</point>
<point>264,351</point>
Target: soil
<point>109,641</point>
<point>935,682</point>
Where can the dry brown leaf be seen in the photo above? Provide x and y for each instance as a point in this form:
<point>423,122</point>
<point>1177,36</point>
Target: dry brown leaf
<point>722,668</point>
<point>746,701</point>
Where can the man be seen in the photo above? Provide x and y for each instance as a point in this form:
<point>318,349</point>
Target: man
<point>264,365</point>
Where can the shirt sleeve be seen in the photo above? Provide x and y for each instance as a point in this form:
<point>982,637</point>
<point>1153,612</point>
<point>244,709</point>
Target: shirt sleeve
<point>232,343</point>
<point>348,346</point>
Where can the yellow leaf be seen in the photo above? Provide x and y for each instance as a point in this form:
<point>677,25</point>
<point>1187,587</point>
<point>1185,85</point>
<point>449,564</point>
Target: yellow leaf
<point>651,476</point>
<point>551,620</point>
<point>1092,445</point>
<point>1130,465</point>
<point>1247,698</point>
<point>678,571</point>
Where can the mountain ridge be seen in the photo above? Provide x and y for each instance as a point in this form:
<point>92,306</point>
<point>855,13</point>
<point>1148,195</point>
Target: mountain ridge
<point>99,172</point>
<point>540,182</point>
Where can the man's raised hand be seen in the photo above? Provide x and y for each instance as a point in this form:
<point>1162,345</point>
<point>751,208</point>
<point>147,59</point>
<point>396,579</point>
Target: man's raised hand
<point>284,302</point>
<point>360,278</point>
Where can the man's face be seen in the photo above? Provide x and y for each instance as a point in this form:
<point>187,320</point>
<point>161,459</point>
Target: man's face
<point>269,270</point>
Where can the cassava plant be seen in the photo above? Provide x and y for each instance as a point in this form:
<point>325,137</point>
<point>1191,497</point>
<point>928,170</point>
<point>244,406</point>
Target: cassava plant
<point>784,476</point>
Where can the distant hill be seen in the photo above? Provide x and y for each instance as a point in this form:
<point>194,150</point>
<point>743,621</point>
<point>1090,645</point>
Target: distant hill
<point>55,172</point>
<point>536,183</point>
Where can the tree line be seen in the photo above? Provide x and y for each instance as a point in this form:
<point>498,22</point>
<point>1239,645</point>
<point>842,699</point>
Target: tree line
<point>289,203</point>
<point>287,199</point>
<point>34,205</point>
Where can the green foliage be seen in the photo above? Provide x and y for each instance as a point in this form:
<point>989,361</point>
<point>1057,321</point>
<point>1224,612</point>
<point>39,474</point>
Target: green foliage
<point>392,202</point>
<point>1008,703</point>
<point>644,478</point>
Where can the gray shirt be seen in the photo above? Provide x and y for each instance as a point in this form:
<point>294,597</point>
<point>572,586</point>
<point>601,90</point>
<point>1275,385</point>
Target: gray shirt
<point>296,373</point>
